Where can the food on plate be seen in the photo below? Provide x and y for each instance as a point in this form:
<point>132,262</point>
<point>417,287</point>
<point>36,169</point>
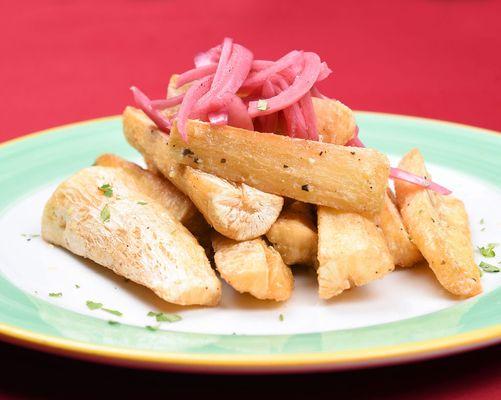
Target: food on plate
<point>438,226</point>
<point>98,214</point>
<point>253,267</point>
<point>235,139</point>
<point>335,121</point>
<point>159,188</point>
<point>352,252</point>
<point>236,210</point>
<point>403,251</point>
<point>349,179</point>
<point>294,234</point>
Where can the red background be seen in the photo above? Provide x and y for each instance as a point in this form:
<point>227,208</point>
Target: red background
<point>65,61</point>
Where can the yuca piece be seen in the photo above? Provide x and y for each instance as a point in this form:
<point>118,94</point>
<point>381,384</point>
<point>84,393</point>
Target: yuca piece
<point>141,242</point>
<point>159,188</point>
<point>345,178</point>
<point>351,252</point>
<point>438,226</point>
<point>335,121</point>
<point>403,251</point>
<point>237,211</point>
<point>253,267</point>
<point>294,235</point>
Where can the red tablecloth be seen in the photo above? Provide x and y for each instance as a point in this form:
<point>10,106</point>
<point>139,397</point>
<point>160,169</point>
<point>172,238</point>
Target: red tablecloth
<point>63,61</point>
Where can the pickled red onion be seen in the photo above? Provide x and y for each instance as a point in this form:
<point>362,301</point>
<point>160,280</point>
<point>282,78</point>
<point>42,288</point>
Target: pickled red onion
<point>301,85</point>
<point>144,103</point>
<point>194,93</point>
<point>195,73</point>
<point>162,104</point>
<point>218,118</point>
<point>397,173</point>
<point>282,63</point>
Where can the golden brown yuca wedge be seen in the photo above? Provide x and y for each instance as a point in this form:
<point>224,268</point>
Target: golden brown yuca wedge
<point>253,267</point>
<point>238,212</point>
<point>403,251</point>
<point>335,121</point>
<point>294,234</point>
<point>351,252</point>
<point>131,234</point>
<point>158,188</point>
<point>438,226</point>
<point>235,210</point>
<point>346,178</point>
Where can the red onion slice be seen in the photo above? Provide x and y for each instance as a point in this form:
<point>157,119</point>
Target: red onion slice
<point>144,103</point>
<point>397,173</point>
<point>195,74</point>
<point>310,117</point>
<point>218,118</point>
<point>162,104</point>
<point>301,85</point>
<point>282,63</point>
<point>194,93</point>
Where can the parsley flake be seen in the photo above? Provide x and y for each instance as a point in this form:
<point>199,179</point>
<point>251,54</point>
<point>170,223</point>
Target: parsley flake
<point>486,267</point>
<point>488,251</point>
<point>105,213</point>
<point>106,189</point>
<point>164,317</point>
<point>142,203</point>
<point>152,328</point>
<point>91,305</point>
<point>59,294</point>
<point>482,221</point>
<point>113,322</point>
<point>262,105</point>
<point>281,317</point>
<point>114,312</point>
<point>77,286</point>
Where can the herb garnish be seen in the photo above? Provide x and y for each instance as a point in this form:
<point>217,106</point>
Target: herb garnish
<point>114,312</point>
<point>59,294</point>
<point>482,221</point>
<point>105,213</point>
<point>281,317</point>
<point>142,203</point>
<point>77,286</point>
<point>106,189</point>
<point>488,251</point>
<point>163,317</point>
<point>486,267</point>
<point>91,305</point>
<point>152,328</point>
<point>262,105</point>
<point>113,322</point>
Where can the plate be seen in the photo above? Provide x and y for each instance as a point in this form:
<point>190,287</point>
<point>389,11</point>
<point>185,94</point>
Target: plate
<point>405,316</point>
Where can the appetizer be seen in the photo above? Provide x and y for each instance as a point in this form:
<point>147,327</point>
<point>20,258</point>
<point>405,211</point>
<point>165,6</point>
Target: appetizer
<point>249,160</point>
<point>98,214</point>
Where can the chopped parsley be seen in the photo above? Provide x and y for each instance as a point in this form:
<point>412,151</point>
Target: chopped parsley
<point>113,322</point>
<point>105,213</point>
<point>482,221</point>
<point>152,328</point>
<point>262,105</point>
<point>281,317</point>
<point>488,251</point>
<point>77,286</point>
<point>106,189</point>
<point>30,235</point>
<point>486,267</point>
<point>163,317</point>
<point>91,305</point>
<point>59,294</point>
<point>114,312</point>
<point>142,203</point>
